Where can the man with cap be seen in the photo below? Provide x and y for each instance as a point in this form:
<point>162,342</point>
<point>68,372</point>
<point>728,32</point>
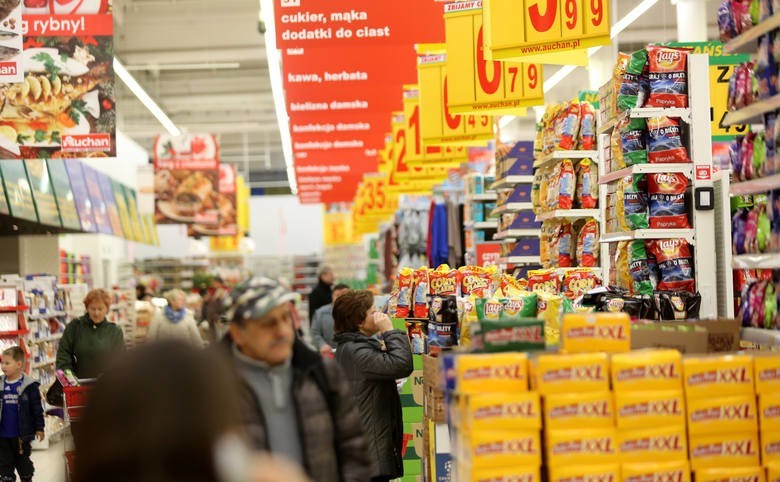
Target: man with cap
<point>296,403</point>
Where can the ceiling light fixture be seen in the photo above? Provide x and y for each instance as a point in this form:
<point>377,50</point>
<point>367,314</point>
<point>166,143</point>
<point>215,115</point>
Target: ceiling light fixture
<point>147,101</point>
<point>198,66</point>
<point>277,88</point>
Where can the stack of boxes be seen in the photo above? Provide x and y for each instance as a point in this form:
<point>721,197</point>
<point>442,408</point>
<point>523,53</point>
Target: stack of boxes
<point>767,374</point>
<point>412,408</point>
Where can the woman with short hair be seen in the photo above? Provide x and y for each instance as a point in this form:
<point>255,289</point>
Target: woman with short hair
<point>374,355</point>
<point>175,321</point>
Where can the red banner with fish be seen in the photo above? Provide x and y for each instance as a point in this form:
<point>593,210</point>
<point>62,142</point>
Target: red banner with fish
<point>186,180</point>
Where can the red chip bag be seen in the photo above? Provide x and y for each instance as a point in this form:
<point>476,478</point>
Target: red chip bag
<point>544,280</point>
<point>578,282</point>
<point>405,282</point>
<point>444,281</point>
<point>675,263</point>
<point>587,249</point>
<point>475,281</point>
<point>566,246</point>
<point>421,288</point>
<point>666,196</point>
<point>668,77</point>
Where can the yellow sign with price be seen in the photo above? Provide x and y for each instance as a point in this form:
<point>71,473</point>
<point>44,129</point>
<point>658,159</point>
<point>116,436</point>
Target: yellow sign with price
<point>479,85</point>
<point>402,171</point>
<point>417,152</point>
<point>439,126</point>
<point>337,228</point>
<point>546,31</point>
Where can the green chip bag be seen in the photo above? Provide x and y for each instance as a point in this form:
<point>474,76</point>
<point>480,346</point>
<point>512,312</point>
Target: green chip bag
<point>519,307</point>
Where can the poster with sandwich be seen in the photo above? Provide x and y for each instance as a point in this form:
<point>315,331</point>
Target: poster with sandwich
<point>226,206</point>
<point>186,179</point>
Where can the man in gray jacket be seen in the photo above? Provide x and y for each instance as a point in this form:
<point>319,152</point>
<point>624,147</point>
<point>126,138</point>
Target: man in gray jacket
<point>322,324</point>
<point>295,402</point>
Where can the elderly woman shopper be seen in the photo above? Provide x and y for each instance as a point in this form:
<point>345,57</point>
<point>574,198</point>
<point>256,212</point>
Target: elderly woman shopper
<point>374,355</point>
<point>175,321</point>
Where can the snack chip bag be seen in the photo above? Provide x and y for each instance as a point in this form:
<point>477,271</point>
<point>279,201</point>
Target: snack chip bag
<point>664,141</point>
<point>618,72</point>
<point>468,309</point>
<point>587,126</point>
<point>587,184</point>
<point>517,307</point>
<point>544,281</point>
<point>556,231</point>
<point>536,189</point>
<point>675,264</point>
<point>566,245</point>
<point>548,308</point>
<point>666,193</point>
<point>443,281</point>
<point>633,139</point>
<point>587,249</point>
<point>553,188</point>
<point>578,282</point>
<point>566,185</point>
<point>405,282</point>
<point>570,127</point>
<point>623,277</point>
<point>421,289</point>
<point>511,286</point>
<point>668,75</point>
<point>489,308</point>
<point>635,201</point>
<point>476,281</point>
<point>616,146</point>
<point>643,268</point>
<point>633,88</point>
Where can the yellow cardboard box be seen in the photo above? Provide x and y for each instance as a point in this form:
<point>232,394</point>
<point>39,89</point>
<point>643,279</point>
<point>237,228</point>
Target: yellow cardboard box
<point>724,450</point>
<point>772,471</point>
<point>586,372</point>
<point>721,374</point>
<point>767,368</point>
<point>494,372</point>
<point>581,447</point>
<point>664,443</point>
<point>647,370</point>
<point>649,409</point>
<point>596,332</point>
<point>577,410</point>
<point>585,473</point>
<point>499,474</point>
<point>740,474</point>
<point>678,471</point>
<point>769,412</point>
<point>714,414</point>
<point>492,448</point>
<point>503,411</point>
<point>770,447</point>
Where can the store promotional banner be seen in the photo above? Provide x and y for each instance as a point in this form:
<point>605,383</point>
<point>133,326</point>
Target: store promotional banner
<point>43,193</point>
<point>226,204</point>
<point>11,65</point>
<point>478,85</point>
<point>63,192</point>
<point>99,207</point>
<point>78,185</point>
<point>231,243</point>
<point>186,179</point>
<point>18,190</point>
<point>65,105</point>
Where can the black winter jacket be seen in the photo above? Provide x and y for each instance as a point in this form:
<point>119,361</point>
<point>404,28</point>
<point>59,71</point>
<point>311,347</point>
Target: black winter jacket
<point>320,296</point>
<point>30,408</point>
<point>373,372</point>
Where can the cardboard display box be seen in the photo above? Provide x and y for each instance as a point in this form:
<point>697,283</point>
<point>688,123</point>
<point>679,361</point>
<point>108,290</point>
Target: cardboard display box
<point>704,336</point>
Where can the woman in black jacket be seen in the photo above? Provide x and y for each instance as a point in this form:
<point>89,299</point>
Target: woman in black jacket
<point>373,364</point>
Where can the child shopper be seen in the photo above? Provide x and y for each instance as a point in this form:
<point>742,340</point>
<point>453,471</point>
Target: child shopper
<point>21,417</point>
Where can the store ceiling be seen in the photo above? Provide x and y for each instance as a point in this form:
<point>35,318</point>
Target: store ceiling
<point>231,94</point>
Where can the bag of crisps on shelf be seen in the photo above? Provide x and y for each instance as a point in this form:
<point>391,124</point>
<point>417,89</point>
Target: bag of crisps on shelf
<point>544,280</point>
<point>405,283</point>
<point>587,184</point>
<point>421,290</point>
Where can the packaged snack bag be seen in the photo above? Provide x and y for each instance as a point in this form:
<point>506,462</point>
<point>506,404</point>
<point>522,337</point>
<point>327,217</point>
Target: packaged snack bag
<point>489,309</point>
<point>553,188</point>
<point>668,76</point>
<point>549,310</point>
<point>566,245</point>
<point>657,472</point>
<point>566,185</point>
<point>476,281</point>
<point>649,409</point>
<point>487,449</point>
<point>647,370</point>
<point>618,72</point>
<point>421,289</point>
<point>633,88</point>
<point>587,249</point>
<point>770,447</point>
<point>767,369</point>
<point>675,264</point>
<point>502,411</point>
<point>635,201</point>
<point>416,337</point>
<point>712,415</point>
<point>743,474</point>
<point>578,282</point>
<point>522,334</point>
<point>666,193</point>
<point>633,139</point>
<point>571,127</point>
<point>544,280</point>
<point>587,184</point>
<point>722,374</point>
<point>491,373</point>
<point>576,410</point>
<point>616,146</point>
<point>643,268</point>
<point>587,126</point>
<point>547,231</point>
<point>511,286</point>
<point>444,281</point>
<point>664,141</point>
<point>405,282</point>
<point>468,310</point>
<point>578,373</point>
<point>519,306</point>
<point>724,451</point>
<point>581,447</point>
<point>536,190</point>
<point>585,333</point>
<point>660,443</point>
<point>619,222</point>
<point>623,277</point>
<point>585,473</point>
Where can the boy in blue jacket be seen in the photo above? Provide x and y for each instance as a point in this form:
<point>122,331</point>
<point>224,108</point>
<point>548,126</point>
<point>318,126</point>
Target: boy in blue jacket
<point>21,417</point>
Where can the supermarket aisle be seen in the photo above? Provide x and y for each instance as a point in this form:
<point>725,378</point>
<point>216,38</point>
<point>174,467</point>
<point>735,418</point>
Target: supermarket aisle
<point>49,464</point>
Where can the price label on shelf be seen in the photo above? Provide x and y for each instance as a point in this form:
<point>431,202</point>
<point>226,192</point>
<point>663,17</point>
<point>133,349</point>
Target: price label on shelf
<point>479,85</point>
<point>437,124</point>
<point>547,31</point>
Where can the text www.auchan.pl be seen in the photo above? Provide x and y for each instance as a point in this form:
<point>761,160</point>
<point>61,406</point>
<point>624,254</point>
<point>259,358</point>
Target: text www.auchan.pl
<point>552,46</point>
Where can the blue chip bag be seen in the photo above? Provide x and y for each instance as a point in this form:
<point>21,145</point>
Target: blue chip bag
<point>666,194</point>
<point>633,138</point>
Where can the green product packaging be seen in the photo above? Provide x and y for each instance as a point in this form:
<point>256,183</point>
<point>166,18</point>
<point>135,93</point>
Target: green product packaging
<point>633,137</point>
<point>635,202</point>
<point>641,269</point>
<point>519,307</point>
<point>488,308</point>
<point>524,334</point>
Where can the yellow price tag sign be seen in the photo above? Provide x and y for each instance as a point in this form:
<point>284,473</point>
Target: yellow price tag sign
<point>418,152</point>
<point>719,94</point>
<point>438,125</point>
<point>479,85</point>
<point>545,31</point>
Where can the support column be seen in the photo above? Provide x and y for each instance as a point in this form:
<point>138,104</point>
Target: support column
<point>692,18</point>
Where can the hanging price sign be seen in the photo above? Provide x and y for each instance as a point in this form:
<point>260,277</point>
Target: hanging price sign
<point>437,124</point>
<point>479,85</point>
<point>402,171</point>
<point>417,152</point>
<point>545,31</point>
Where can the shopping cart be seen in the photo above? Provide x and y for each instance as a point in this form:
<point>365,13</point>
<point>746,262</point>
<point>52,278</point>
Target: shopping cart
<point>75,401</point>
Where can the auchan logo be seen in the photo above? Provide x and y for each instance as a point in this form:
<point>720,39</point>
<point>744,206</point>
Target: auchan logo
<point>86,142</point>
<point>8,68</point>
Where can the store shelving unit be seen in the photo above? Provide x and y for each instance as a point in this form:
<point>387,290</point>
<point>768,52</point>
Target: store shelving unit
<point>763,337</point>
<point>511,208</point>
<point>75,269</point>
<point>512,234</point>
<point>569,214</point>
<point>756,261</point>
<point>683,114</point>
<point>755,186</point>
<point>520,260</point>
<point>511,181</point>
<point>172,272</point>
<point>488,196</point>
<point>687,234</point>
<point>746,43</point>
<point>548,159</point>
<point>753,113</point>
<point>481,225</point>
<point>686,169</point>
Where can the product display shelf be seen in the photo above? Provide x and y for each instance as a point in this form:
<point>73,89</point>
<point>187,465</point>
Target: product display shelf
<point>647,112</point>
<point>511,208</point>
<point>42,364</point>
<point>687,234</point>
<point>756,261</point>
<point>753,113</point>
<point>511,181</point>
<point>610,177</point>
<point>519,260</point>
<point>487,196</point>
<point>569,214</point>
<point>755,186</point>
<point>746,43</point>
<point>483,225</point>
<point>761,336</point>
<point>548,159</point>
<point>515,233</point>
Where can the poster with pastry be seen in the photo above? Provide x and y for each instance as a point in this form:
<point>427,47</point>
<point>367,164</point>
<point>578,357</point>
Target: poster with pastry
<point>186,179</point>
<point>64,106</point>
<point>226,207</point>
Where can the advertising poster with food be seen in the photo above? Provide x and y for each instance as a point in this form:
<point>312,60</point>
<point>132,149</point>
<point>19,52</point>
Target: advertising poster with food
<point>226,205</point>
<point>18,190</point>
<point>186,179</point>
<point>65,105</point>
<point>11,42</point>
<point>78,185</point>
